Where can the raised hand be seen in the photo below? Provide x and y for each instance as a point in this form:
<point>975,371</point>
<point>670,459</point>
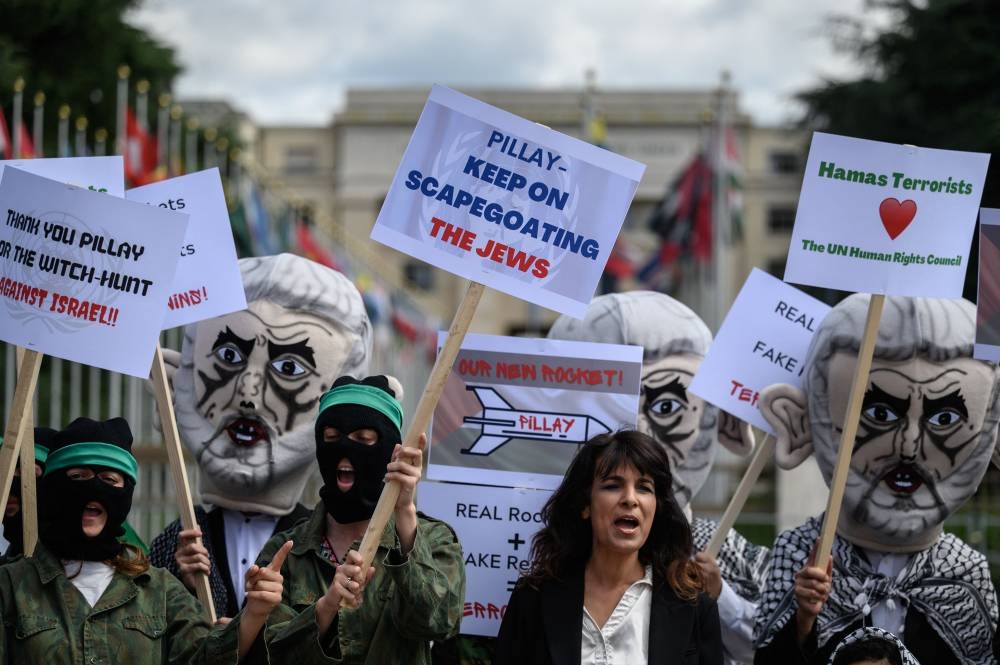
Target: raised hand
<point>711,574</point>
<point>191,557</point>
<point>264,584</point>
<point>812,590</point>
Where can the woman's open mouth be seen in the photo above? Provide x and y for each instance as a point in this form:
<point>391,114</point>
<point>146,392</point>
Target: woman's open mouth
<point>345,475</point>
<point>627,524</point>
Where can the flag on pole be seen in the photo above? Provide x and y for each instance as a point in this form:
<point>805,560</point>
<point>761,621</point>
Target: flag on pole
<point>732,180</point>
<point>683,221</point>
<point>27,147</point>
<point>140,152</point>
<point>5,146</point>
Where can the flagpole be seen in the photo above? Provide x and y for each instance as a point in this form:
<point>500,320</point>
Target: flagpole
<point>81,136</point>
<point>38,124</point>
<point>142,104</point>
<point>62,147</point>
<point>720,230</point>
<point>174,162</point>
<point>18,104</point>
<point>191,146</point>
<point>222,149</point>
<point>162,130</point>
<point>101,142</point>
<point>120,109</point>
<point>209,158</point>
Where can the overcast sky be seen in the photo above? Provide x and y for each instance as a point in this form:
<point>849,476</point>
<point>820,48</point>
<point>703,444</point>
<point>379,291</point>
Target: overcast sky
<point>290,61</point>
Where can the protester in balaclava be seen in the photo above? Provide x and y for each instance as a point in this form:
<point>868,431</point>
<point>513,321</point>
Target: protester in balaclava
<point>86,597</point>
<point>413,593</point>
<point>926,432</point>
<point>674,341</point>
<point>13,522</point>
<point>245,393</point>
<point>872,646</point>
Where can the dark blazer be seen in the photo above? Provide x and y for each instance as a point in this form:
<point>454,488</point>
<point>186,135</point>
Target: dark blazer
<point>545,626</point>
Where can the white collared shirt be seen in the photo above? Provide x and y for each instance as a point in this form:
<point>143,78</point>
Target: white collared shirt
<point>245,538</point>
<point>91,578</point>
<point>888,613</point>
<point>624,638</point>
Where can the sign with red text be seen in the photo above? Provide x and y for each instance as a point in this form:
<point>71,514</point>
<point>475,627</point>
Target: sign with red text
<point>98,174</point>
<point>495,526</point>
<point>515,410</point>
<point>884,218</point>
<point>988,303</point>
<point>762,341</point>
<point>83,276</point>
<point>208,281</point>
<point>507,203</point>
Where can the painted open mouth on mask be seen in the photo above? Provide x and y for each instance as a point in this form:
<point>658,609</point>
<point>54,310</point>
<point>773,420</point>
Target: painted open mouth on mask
<point>903,479</point>
<point>246,432</point>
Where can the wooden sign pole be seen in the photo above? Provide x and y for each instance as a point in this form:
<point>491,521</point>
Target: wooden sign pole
<point>29,497</point>
<point>20,408</point>
<point>760,458</point>
<point>172,442</point>
<point>839,480</point>
<point>422,415</point>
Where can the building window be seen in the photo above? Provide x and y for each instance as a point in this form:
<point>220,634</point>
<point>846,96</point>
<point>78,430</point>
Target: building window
<point>783,162</point>
<point>301,160</point>
<point>780,219</point>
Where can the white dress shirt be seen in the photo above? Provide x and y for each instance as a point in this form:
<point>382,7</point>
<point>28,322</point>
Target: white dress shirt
<point>90,578</point>
<point>888,614</point>
<point>245,538</point>
<point>624,637</point>
<point>736,616</point>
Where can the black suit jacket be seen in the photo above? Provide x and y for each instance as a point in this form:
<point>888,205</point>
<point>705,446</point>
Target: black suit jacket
<point>545,626</point>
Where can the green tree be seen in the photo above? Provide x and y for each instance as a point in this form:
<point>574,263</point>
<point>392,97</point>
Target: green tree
<point>71,50</point>
<point>929,79</point>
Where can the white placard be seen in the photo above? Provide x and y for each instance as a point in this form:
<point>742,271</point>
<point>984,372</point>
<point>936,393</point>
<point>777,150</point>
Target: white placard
<point>495,526</point>
<point>507,203</point>
<point>762,341</point>
<point>988,303</point>
<point>98,174</point>
<point>516,417</point>
<point>83,276</point>
<point>208,281</point>
<point>884,218</point>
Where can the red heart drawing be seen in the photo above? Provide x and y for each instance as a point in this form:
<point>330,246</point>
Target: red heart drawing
<point>896,216</point>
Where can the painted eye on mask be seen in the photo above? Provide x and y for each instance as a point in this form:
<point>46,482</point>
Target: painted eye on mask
<point>667,406</point>
<point>229,354</point>
<point>944,418</point>
<point>880,414</point>
<point>288,367</point>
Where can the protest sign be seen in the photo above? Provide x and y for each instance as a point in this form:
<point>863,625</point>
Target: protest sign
<point>507,203</point>
<point>208,281</point>
<point>517,417</point>
<point>883,218</point>
<point>988,303</point>
<point>98,174</point>
<point>496,526</point>
<point>763,340</point>
<point>84,277</point>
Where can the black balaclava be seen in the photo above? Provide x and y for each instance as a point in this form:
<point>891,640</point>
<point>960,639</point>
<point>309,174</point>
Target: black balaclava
<point>13,526</point>
<point>62,500</point>
<point>369,462</point>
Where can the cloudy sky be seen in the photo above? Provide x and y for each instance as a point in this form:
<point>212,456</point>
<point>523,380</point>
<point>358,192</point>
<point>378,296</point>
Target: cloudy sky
<point>290,61</point>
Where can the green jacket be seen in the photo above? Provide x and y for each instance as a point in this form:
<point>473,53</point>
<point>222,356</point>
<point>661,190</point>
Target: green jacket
<point>147,620</point>
<point>408,603</point>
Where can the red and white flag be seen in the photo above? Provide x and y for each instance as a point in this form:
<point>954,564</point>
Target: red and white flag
<point>140,152</point>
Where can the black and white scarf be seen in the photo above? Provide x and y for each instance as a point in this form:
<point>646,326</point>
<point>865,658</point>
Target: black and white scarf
<point>949,583</point>
<point>743,564</point>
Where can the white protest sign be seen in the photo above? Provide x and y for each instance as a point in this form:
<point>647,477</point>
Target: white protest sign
<point>507,203</point>
<point>83,276</point>
<point>98,174</point>
<point>517,417</point>
<point>988,303</point>
<point>208,281</point>
<point>884,218</point>
<point>495,526</point>
<point>762,341</point>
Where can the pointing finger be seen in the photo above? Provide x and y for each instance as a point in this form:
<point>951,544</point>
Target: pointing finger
<point>279,558</point>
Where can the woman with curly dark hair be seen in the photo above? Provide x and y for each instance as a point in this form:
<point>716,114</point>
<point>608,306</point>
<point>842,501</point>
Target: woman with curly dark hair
<point>612,580</point>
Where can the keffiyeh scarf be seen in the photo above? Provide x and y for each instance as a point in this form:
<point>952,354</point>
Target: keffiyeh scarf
<point>949,583</point>
<point>743,564</point>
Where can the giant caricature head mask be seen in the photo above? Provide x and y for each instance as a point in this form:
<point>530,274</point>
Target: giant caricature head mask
<point>928,421</point>
<point>249,382</point>
<point>674,341</point>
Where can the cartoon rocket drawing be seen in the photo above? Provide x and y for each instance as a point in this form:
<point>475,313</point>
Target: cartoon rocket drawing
<point>501,422</point>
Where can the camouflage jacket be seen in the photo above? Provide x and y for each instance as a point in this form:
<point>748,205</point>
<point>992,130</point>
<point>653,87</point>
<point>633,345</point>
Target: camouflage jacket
<point>146,620</point>
<point>410,601</point>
